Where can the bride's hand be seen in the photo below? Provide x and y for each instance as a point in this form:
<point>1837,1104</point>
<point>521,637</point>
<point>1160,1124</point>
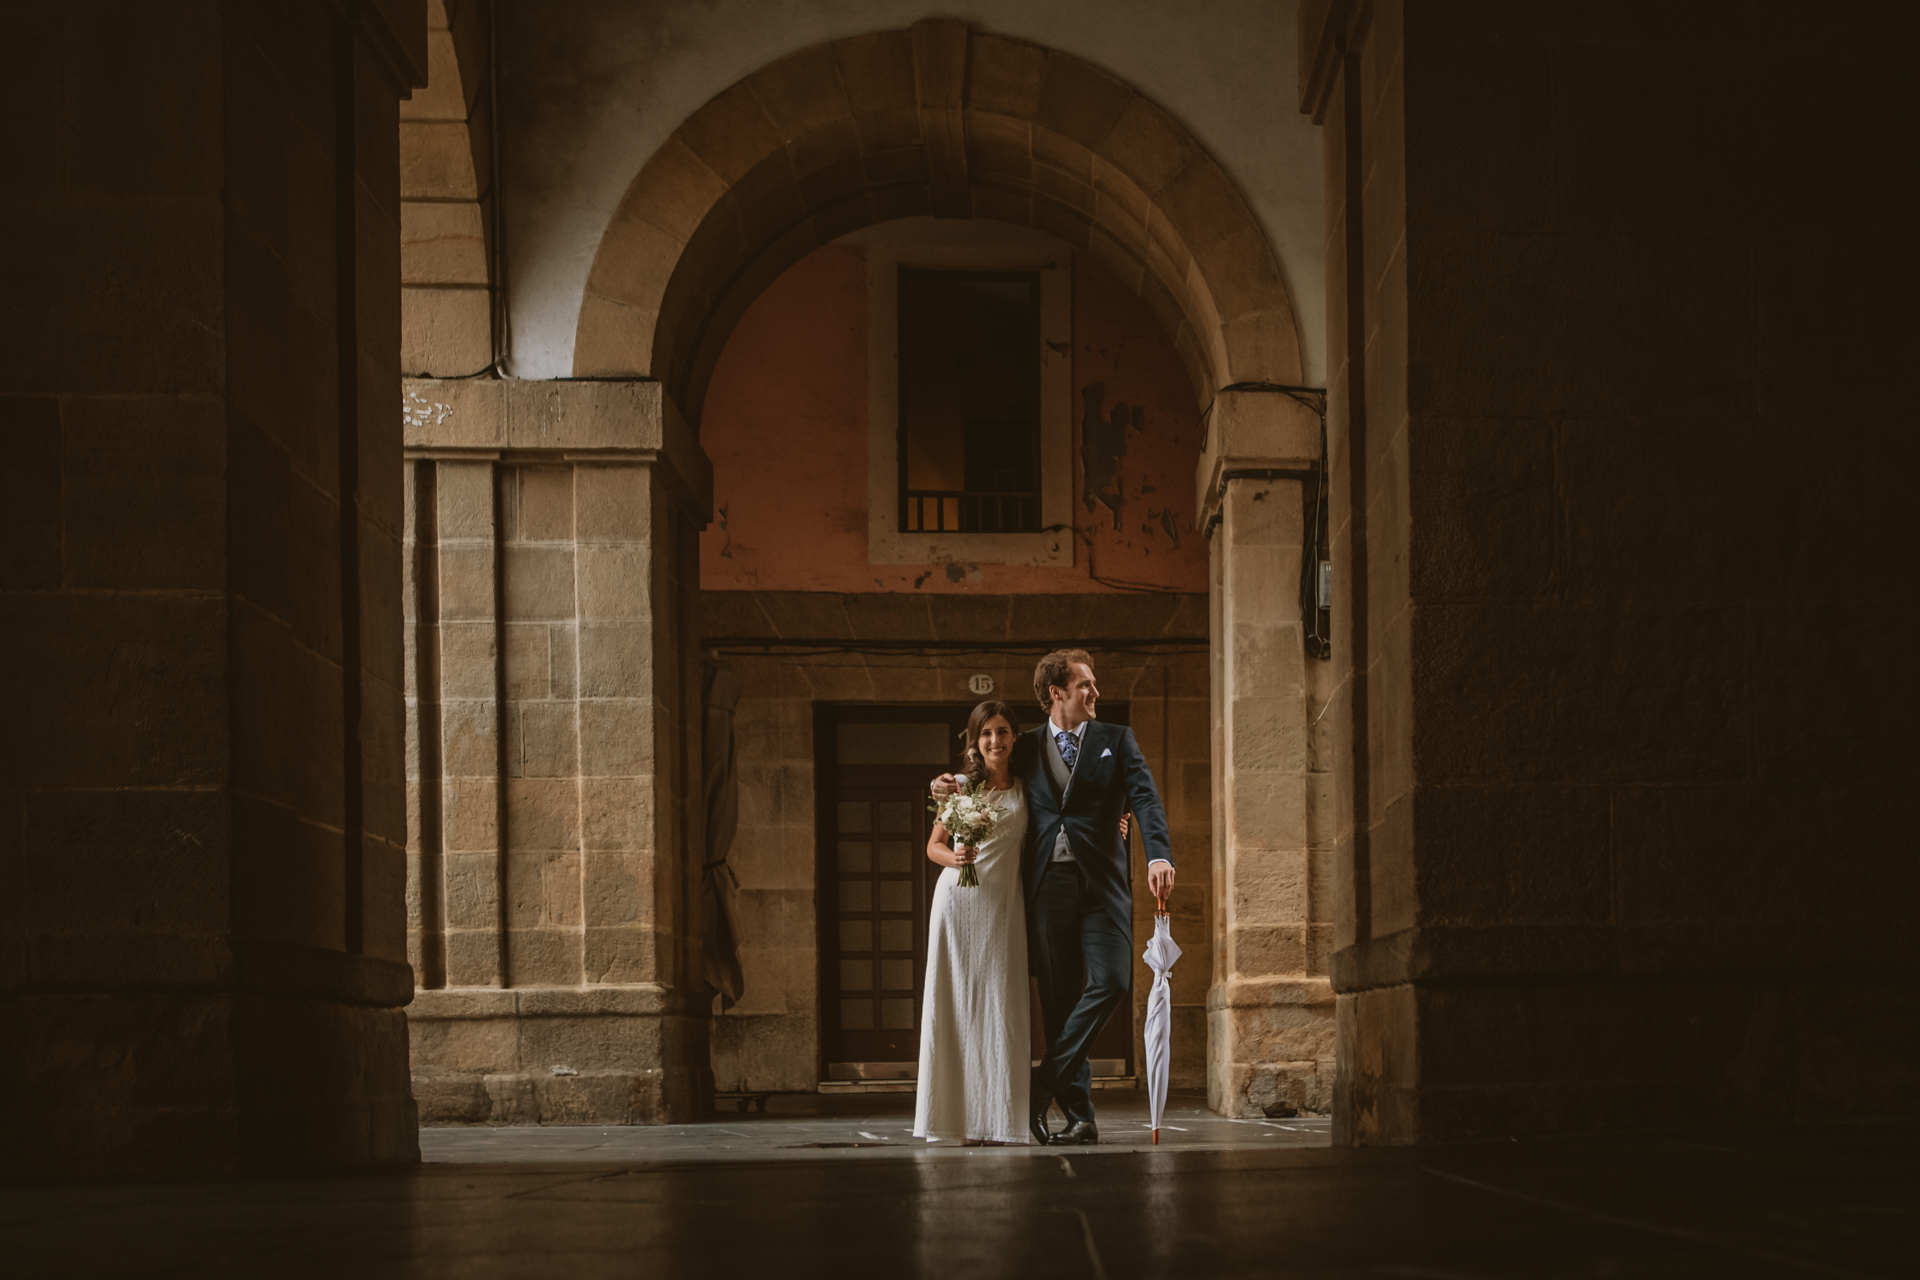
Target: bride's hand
<point>965,853</point>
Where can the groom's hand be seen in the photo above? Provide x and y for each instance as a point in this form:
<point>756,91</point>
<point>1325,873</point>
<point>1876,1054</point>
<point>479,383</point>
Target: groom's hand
<point>1160,879</point>
<point>942,787</point>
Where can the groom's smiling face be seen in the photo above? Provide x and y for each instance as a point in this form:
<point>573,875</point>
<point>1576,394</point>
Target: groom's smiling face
<point>1075,703</point>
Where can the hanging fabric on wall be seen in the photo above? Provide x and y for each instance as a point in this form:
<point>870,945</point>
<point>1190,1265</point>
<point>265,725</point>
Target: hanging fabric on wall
<point>721,788</point>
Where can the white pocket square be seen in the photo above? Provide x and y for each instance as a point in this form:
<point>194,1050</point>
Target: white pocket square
<point>1106,753</point>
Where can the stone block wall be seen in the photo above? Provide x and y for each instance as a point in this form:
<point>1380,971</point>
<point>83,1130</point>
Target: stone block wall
<point>545,769</point>
<point>1271,1023</point>
<point>1617,410</point>
<point>770,1040</point>
<point>202,822</point>
<point>554,859</point>
<point>447,219</point>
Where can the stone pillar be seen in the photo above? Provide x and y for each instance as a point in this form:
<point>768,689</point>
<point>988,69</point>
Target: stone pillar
<point>467,609</point>
<point>1611,681</point>
<point>449,197</point>
<point>1368,426</point>
<point>567,854</point>
<point>202,959</point>
<point>1270,1028</point>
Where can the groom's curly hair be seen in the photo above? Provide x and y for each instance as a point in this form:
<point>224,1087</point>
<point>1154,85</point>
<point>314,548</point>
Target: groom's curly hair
<point>1056,670</point>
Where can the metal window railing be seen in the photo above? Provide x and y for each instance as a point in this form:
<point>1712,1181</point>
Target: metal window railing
<point>970,511</point>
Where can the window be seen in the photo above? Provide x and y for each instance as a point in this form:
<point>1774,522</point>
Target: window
<point>969,401</point>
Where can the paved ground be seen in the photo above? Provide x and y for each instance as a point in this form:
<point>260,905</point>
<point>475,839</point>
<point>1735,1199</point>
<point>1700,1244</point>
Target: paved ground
<point>1224,1200</point>
<point>854,1126</point>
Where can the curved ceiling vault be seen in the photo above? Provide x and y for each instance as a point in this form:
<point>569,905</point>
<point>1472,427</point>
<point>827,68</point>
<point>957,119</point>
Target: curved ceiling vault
<point>937,120</point>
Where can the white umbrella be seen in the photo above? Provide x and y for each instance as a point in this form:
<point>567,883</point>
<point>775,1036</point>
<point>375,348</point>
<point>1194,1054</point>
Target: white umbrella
<point>1159,955</point>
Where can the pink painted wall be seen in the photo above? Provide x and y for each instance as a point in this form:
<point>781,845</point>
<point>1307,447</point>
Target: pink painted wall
<point>786,426</point>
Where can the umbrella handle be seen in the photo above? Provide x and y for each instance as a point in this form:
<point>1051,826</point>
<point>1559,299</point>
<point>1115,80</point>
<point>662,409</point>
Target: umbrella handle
<point>1162,905</point>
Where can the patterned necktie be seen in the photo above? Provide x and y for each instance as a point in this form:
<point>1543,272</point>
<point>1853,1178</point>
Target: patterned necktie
<point>1069,747</point>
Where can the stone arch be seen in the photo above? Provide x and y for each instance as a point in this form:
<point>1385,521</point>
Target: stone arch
<point>935,120</point>
<point>447,263</point>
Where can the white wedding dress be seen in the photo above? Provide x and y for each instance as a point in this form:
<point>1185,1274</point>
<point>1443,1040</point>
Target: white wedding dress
<point>974,1026</point>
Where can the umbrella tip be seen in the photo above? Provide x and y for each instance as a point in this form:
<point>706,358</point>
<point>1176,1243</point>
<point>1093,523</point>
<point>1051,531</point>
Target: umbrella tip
<point>1156,1137</point>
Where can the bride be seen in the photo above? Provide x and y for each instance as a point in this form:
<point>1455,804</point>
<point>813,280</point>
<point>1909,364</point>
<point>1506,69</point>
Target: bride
<point>974,1050</point>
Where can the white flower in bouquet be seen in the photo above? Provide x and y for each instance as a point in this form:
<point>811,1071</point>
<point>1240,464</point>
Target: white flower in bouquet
<point>968,816</point>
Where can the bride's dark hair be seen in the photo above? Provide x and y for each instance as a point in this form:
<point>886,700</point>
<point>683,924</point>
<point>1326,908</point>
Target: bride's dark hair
<point>976,768</point>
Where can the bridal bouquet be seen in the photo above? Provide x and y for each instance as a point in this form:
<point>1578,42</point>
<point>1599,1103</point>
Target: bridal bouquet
<point>968,816</point>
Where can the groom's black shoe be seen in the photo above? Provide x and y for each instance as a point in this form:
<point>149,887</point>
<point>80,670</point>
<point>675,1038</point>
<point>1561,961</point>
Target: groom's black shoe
<point>1081,1133</point>
<point>1037,1122</point>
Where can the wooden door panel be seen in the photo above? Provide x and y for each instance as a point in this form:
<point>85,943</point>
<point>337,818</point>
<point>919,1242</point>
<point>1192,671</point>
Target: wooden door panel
<point>880,913</point>
<point>876,882</point>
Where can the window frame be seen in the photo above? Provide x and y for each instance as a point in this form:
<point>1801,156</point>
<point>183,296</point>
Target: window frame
<point>1053,543</point>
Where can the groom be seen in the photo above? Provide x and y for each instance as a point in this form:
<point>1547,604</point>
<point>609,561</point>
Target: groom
<point>1080,777</point>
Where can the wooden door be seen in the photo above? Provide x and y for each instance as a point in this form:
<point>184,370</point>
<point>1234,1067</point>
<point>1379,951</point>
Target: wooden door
<point>876,882</point>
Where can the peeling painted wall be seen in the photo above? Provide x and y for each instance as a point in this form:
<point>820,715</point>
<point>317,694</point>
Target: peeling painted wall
<point>786,427</point>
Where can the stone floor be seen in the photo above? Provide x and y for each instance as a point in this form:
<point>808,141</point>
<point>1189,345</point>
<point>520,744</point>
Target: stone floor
<point>855,1126</point>
<point>782,1195</point>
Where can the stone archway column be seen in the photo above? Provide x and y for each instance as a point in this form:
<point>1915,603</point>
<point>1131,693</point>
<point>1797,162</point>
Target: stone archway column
<point>1270,1009</point>
<point>202,958</point>
<point>554,866</point>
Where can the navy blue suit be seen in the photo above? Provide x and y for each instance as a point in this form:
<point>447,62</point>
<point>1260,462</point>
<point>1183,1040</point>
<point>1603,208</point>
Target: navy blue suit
<point>1080,913</point>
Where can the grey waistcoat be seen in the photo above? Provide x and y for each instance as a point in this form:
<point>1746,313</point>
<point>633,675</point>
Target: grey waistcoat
<point>1062,778</point>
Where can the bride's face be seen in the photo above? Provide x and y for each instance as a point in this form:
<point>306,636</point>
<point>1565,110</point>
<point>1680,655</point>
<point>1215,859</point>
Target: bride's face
<point>996,742</point>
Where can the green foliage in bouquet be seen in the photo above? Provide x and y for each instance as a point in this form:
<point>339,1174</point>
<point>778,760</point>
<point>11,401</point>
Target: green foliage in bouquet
<point>968,816</point>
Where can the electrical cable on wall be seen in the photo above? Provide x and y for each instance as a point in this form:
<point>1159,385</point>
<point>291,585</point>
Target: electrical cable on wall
<point>753,647</point>
<point>1122,584</point>
<point>1118,584</point>
<point>1316,558</point>
<point>1314,398</point>
<point>1316,563</point>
